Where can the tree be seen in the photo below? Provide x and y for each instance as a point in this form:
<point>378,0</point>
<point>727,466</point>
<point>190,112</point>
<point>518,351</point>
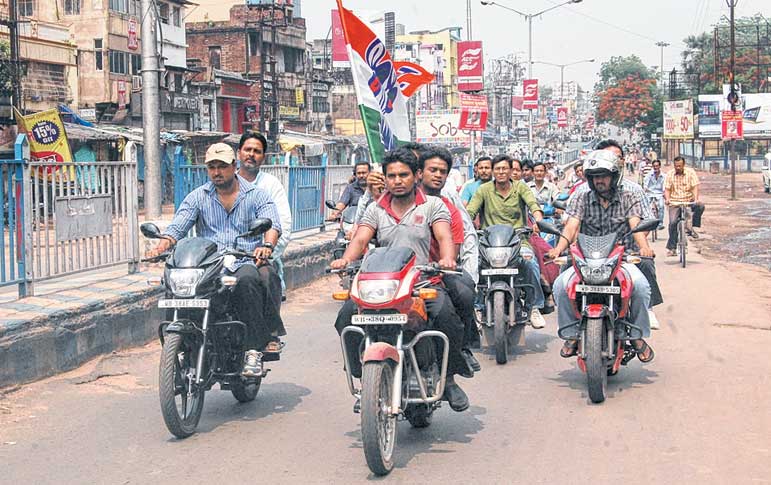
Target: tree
<point>6,70</point>
<point>619,68</point>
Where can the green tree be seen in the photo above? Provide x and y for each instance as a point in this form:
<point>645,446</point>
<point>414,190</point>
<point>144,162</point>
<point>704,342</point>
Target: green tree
<point>618,68</point>
<point>6,71</point>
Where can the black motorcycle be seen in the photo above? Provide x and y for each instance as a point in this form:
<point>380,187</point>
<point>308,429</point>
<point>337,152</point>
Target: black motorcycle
<point>502,288</point>
<point>203,343</point>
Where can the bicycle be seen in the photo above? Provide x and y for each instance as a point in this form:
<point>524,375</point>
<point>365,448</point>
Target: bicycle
<point>683,216</point>
<point>653,201</point>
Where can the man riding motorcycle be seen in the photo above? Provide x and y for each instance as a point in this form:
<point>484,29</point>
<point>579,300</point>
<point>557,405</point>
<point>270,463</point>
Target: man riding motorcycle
<point>221,210</point>
<point>611,205</point>
<point>406,217</point>
<point>504,202</point>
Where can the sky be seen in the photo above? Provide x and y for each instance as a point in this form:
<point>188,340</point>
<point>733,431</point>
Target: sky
<point>596,29</point>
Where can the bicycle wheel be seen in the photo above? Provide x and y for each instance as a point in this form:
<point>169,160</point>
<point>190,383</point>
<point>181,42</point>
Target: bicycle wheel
<point>683,240</point>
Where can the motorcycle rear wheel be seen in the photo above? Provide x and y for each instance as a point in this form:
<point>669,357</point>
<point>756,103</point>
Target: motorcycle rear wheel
<point>181,417</point>
<point>596,364</point>
<point>378,425</point>
<point>501,328</point>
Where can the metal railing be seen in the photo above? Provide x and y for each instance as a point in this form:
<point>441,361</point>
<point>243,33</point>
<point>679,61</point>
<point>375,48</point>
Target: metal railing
<point>12,254</point>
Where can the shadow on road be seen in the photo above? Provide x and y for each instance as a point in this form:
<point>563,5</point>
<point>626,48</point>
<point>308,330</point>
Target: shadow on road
<point>220,407</point>
<point>535,343</point>
<point>447,427</point>
<point>628,377</point>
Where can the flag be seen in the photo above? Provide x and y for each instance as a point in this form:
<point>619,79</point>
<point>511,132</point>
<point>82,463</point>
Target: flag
<point>382,86</point>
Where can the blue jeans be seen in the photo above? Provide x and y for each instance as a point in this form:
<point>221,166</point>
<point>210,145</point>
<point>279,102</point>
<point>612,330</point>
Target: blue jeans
<point>532,276</point>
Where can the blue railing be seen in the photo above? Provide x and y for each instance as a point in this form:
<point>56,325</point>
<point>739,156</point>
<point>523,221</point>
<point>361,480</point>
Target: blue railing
<point>12,251</point>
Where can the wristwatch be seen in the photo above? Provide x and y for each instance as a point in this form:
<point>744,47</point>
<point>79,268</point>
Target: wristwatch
<point>268,245</point>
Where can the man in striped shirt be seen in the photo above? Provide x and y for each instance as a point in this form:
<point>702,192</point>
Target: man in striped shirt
<point>222,209</point>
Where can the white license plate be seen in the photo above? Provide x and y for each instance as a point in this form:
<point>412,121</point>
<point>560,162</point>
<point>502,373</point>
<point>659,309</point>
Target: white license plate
<point>183,303</point>
<point>390,319</point>
<point>498,272</point>
<point>606,290</point>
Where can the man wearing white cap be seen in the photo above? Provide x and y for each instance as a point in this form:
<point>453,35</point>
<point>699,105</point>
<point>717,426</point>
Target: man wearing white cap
<point>222,209</point>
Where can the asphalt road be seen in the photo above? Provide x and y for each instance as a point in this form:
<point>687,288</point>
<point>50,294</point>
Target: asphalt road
<point>698,414</point>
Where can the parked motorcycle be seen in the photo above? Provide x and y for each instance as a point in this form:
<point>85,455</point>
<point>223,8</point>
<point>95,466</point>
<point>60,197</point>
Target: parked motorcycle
<point>203,343</point>
<point>601,293</point>
<point>500,286</point>
<point>400,375</point>
<point>347,221</point>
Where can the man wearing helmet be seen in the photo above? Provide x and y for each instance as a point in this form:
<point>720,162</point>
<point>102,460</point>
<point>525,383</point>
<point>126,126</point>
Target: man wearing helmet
<point>609,205</point>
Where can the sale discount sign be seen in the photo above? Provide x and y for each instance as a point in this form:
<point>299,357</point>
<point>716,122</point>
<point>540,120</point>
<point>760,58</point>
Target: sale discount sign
<point>678,120</point>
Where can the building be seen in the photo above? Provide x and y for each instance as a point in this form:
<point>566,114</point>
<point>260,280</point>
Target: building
<point>265,46</point>
<point>437,52</point>
<point>49,60</point>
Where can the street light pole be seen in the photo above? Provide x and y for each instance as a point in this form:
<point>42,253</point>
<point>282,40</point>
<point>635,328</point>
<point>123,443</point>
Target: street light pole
<point>733,98</point>
<point>661,68</point>
<point>150,108</point>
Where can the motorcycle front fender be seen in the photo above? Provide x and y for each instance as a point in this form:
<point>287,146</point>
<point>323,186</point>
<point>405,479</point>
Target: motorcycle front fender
<point>184,327</point>
<point>380,352</point>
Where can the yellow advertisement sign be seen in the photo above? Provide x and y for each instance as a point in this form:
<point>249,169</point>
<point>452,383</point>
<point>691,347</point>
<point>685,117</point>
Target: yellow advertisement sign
<point>47,138</point>
<point>299,96</point>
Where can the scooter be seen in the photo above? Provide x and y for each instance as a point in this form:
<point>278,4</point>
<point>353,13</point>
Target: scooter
<point>601,291</point>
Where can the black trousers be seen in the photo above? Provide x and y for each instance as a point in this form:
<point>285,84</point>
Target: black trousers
<point>698,210</point>
<point>648,268</point>
<point>442,317</point>
<point>257,302</point>
<point>462,291</point>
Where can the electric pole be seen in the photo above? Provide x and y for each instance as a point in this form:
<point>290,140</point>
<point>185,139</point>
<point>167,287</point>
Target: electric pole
<point>732,97</point>
<point>13,33</point>
<point>151,119</point>
<point>472,153</point>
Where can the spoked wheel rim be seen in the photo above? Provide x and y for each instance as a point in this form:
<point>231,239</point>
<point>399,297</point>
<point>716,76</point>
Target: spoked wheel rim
<point>181,400</point>
<point>185,398</point>
<point>386,421</point>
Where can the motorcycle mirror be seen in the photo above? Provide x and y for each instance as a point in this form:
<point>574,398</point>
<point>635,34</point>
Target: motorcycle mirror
<point>257,227</point>
<point>330,204</point>
<point>150,230</point>
<point>646,225</point>
<point>548,228</point>
<point>559,204</point>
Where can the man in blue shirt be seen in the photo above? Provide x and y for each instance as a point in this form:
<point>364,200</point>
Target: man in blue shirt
<point>484,173</point>
<point>222,209</point>
<point>654,189</point>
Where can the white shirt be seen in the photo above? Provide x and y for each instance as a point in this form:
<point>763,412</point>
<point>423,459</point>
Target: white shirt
<point>469,251</point>
<point>272,185</point>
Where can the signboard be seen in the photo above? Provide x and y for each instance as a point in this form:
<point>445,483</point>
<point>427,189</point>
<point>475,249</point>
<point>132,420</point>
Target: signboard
<point>82,217</point>
<point>299,96</point>
<point>470,66</point>
<point>88,114</point>
<point>441,127</point>
<point>133,34</point>
<point>678,120</point>
<point>530,94</point>
<point>755,109</point>
<point>339,50</point>
<point>732,125</point>
<point>122,98</point>
<point>47,139</point>
<point>473,115</point>
<point>562,117</point>
<point>288,112</point>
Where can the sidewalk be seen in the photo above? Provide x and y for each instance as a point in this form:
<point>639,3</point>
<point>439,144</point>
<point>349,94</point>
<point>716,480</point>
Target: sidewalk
<point>74,318</point>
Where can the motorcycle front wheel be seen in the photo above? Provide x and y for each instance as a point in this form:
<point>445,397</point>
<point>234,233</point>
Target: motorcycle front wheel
<point>181,405</point>
<point>501,328</point>
<point>596,364</point>
<point>378,425</point>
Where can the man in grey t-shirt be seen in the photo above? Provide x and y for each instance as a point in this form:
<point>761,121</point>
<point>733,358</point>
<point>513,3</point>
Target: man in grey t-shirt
<point>406,217</point>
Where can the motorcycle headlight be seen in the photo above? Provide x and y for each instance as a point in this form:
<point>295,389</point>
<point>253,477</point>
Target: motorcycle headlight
<point>498,257</point>
<point>182,282</point>
<point>378,291</point>
<point>597,271</point>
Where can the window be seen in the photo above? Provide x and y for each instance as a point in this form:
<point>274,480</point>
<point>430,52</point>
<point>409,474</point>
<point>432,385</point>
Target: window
<point>176,17</point>
<point>120,6</point>
<point>136,65</point>
<point>119,62</point>
<point>320,105</point>
<point>26,8</point>
<point>163,11</point>
<point>290,60</point>
<point>71,7</point>
<point>215,56</point>
<point>98,59</point>
<point>178,82</point>
<point>254,44</point>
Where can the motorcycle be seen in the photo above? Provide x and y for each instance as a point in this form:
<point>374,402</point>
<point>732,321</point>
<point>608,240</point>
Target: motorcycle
<point>202,343</point>
<point>500,286</point>
<point>347,221</point>
<point>400,374</point>
<point>601,293</point>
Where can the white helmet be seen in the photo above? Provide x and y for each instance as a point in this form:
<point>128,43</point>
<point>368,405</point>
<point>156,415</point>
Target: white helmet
<point>603,162</point>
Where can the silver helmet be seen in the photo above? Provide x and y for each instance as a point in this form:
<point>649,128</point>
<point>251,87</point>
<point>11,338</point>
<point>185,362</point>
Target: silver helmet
<point>603,162</point>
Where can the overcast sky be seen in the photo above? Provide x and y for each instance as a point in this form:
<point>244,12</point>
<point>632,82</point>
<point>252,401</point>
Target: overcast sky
<point>591,29</point>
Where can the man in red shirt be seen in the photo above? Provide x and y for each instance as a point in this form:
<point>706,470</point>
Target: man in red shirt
<point>435,164</point>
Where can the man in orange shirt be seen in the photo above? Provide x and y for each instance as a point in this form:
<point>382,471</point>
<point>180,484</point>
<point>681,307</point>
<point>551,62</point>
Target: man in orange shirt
<point>681,186</point>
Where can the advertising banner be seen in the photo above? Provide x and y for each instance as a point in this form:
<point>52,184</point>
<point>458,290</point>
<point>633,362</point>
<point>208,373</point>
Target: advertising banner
<point>530,91</point>
<point>732,125</point>
<point>339,51</point>
<point>562,117</point>
<point>47,139</point>
<point>678,120</point>
<point>473,114</point>
<point>470,66</point>
<point>440,126</point>
<point>755,109</point>
<point>133,34</point>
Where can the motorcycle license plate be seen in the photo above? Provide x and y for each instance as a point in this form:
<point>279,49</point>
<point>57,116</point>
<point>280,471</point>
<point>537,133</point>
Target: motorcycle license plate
<point>183,303</point>
<point>606,290</point>
<point>390,319</point>
<point>499,272</point>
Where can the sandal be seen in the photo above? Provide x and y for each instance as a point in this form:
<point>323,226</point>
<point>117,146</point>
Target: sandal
<point>274,347</point>
<point>642,350</point>
<point>570,349</point>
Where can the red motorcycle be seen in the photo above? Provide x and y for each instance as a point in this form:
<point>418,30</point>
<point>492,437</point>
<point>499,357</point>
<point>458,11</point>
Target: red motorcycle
<point>601,291</point>
<point>401,375</point>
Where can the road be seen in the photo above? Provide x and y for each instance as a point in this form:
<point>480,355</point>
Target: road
<point>697,414</point>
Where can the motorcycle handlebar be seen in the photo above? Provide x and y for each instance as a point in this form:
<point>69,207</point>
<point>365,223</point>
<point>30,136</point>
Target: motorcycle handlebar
<point>156,259</point>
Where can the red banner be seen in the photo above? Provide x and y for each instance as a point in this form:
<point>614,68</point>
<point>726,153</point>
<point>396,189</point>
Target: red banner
<point>339,51</point>
<point>530,90</point>
<point>517,102</point>
<point>473,112</point>
<point>732,125</point>
<point>562,117</point>
<point>133,34</point>
<point>470,66</point>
